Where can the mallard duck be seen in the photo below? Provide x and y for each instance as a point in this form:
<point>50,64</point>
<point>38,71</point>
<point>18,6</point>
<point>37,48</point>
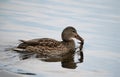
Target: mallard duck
<point>51,47</point>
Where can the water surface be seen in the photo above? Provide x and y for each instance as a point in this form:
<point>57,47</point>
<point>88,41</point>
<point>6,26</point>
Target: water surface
<point>96,21</point>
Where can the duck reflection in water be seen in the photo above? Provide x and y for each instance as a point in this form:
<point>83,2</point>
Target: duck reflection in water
<point>68,61</point>
<point>51,50</point>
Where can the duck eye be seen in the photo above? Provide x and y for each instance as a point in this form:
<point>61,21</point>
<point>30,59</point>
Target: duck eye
<point>73,31</point>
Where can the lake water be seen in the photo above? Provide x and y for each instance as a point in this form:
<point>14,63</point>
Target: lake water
<point>97,21</point>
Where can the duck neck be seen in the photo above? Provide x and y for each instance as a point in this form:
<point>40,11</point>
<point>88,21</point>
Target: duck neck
<point>69,44</point>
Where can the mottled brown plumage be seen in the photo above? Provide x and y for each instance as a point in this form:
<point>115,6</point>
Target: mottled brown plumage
<point>51,47</point>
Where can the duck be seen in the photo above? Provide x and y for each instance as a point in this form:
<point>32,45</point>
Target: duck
<point>51,47</point>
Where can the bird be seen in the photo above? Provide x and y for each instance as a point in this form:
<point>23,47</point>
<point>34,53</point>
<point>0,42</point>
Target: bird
<point>50,47</point>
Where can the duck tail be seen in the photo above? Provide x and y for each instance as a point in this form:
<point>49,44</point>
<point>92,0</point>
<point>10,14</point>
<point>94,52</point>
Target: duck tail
<point>18,49</point>
<point>22,41</point>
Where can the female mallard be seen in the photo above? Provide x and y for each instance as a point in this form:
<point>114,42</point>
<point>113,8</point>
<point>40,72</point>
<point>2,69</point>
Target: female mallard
<point>51,47</point>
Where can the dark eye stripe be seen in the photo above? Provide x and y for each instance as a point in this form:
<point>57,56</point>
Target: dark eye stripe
<point>73,31</point>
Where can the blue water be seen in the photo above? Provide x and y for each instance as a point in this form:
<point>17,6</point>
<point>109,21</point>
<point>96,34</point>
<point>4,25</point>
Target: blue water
<point>95,20</point>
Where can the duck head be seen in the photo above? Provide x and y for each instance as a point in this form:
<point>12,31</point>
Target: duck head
<point>69,33</point>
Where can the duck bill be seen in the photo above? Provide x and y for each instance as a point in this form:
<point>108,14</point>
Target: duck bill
<point>80,38</point>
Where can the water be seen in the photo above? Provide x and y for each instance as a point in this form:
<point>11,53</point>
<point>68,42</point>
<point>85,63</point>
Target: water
<point>96,21</point>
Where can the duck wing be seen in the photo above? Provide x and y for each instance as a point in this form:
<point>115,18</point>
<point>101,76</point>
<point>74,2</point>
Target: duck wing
<point>40,42</point>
